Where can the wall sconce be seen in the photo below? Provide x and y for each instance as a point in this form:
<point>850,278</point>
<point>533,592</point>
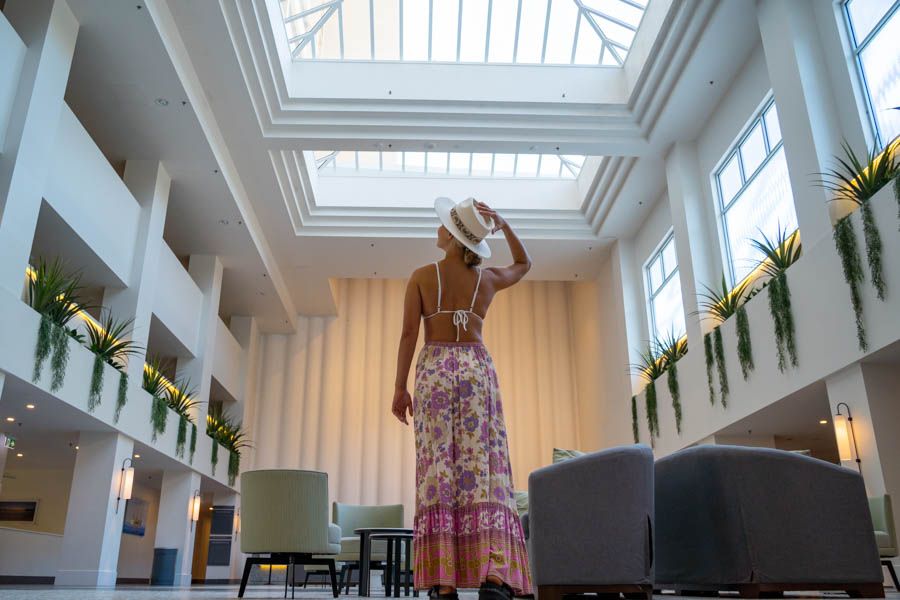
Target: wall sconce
<point>195,508</point>
<point>237,522</point>
<point>126,482</point>
<point>843,432</point>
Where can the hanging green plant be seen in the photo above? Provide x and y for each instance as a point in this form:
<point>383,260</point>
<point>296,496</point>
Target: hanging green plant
<point>719,350</point>
<point>96,388</point>
<point>651,408</point>
<point>181,440</point>
<point>777,254</point>
<point>42,350</point>
<point>857,179</point>
<point>193,445</point>
<point>226,431</point>
<point>159,414</point>
<point>234,466</point>
<point>847,249</point>
<point>710,364</point>
<point>650,367</point>
<point>744,348</point>
<point>670,349</point>
<point>214,459</point>
<point>635,429</point>
<point>60,359</point>
<point>121,395</point>
<point>109,342</point>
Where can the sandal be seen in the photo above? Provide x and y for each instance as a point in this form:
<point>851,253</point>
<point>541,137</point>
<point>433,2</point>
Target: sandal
<point>495,591</point>
<point>435,594</point>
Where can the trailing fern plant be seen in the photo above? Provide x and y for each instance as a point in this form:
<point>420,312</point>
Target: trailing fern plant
<point>710,364</point>
<point>155,383</point>
<point>670,349</point>
<point>650,367</point>
<point>229,433</point>
<point>159,414</point>
<point>720,304</point>
<point>110,344</point>
<point>779,253</point>
<point>719,352</point>
<point>635,428</point>
<point>744,348</point>
<point>121,395</point>
<point>214,459</point>
<point>193,445</point>
<point>851,264</point>
<point>181,440</point>
<point>856,179</point>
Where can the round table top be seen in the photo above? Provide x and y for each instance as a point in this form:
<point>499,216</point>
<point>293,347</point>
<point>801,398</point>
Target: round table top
<point>383,530</point>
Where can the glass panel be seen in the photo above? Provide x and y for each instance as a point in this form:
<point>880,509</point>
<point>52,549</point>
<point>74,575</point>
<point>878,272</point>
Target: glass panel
<point>773,127</point>
<point>345,160</point>
<point>753,150</point>
<point>391,161</point>
<point>414,162</point>
<point>459,163</point>
<point>503,31</point>
<point>387,25</point>
<point>531,31</point>
<point>589,45</point>
<point>670,261</point>
<point>368,161</point>
<point>618,9</point>
<point>481,164</point>
<point>437,162</point>
<point>616,33</point>
<point>527,165</point>
<point>328,39</point>
<point>561,32</point>
<point>668,311</point>
<point>356,29</point>
<point>474,30</point>
<point>550,166</point>
<point>444,26</point>
<point>765,204</point>
<point>881,64</point>
<point>654,270</point>
<point>415,30</point>
<point>504,165</point>
<point>865,14</point>
<point>730,180</point>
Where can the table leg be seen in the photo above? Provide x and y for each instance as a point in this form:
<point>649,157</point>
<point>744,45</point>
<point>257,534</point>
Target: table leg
<point>408,573</point>
<point>364,554</point>
<point>388,569</point>
<point>396,569</point>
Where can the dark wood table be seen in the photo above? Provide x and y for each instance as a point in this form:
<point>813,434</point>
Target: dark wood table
<point>391,534</point>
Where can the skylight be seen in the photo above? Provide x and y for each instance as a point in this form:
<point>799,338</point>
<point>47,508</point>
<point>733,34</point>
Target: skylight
<point>555,32</point>
<point>451,164</point>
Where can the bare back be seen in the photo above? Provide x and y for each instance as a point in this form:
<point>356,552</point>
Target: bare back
<point>448,290</point>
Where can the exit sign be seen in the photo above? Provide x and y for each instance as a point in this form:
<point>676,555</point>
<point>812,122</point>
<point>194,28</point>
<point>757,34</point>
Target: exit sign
<point>8,441</point>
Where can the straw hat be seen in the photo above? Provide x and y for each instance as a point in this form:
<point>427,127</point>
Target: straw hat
<point>465,223</point>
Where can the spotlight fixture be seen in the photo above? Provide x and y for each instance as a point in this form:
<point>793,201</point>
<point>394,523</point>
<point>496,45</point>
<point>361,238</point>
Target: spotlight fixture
<point>19,454</point>
<point>161,102</point>
<point>137,455</point>
<point>126,482</point>
<point>10,419</point>
<point>29,406</point>
<point>823,422</point>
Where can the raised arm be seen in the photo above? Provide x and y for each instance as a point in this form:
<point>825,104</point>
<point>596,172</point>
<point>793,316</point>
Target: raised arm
<point>504,277</point>
<point>412,312</point>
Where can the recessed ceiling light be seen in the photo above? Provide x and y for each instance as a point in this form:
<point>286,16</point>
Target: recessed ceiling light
<point>11,419</point>
<point>20,455</point>
<point>161,102</point>
<point>137,455</point>
<point>823,422</point>
<point>29,406</point>
<point>76,447</point>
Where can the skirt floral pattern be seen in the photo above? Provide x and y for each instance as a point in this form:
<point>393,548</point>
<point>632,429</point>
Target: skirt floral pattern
<point>466,524</point>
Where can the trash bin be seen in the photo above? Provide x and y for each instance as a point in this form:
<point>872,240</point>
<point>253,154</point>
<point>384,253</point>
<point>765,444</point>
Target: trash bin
<point>163,572</point>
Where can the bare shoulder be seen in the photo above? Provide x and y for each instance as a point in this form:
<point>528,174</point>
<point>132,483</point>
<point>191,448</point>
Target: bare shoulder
<point>420,275</point>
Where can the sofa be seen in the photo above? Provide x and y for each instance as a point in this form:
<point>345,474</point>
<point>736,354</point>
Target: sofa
<point>759,521</point>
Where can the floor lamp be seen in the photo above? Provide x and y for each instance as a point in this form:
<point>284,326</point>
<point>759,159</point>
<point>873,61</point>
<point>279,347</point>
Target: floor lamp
<point>843,431</point>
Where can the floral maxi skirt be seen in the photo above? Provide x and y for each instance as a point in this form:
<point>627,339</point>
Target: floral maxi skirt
<point>466,524</point>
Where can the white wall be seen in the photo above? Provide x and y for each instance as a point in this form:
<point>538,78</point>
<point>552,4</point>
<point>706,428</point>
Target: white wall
<point>136,552</point>
<point>228,358</point>
<point>29,553</point>
<point>12,55</point>
<point>50,487</point>
<point>87,193</point>
<point>178,300</point>
<point>646,241</point>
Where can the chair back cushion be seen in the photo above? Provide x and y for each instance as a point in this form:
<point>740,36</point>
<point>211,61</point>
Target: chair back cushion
<point>353,516</point>
<point>284,511</point>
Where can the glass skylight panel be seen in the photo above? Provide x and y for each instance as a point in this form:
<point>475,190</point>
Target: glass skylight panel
<point>583,32</point>
<point>452,164</point>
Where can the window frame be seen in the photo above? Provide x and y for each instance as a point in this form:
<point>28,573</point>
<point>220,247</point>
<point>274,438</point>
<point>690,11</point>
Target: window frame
<point>758,117</point>
<point>658,253</point>
<point>856,49</point>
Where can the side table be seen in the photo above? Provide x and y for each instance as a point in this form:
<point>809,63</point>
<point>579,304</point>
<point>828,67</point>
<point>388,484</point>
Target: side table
<point>366,535</point>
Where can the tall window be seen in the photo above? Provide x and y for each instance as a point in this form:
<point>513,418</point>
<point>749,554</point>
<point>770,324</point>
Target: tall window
<point>875,39</point>
<point>754,191</point>
<point>664,291</point>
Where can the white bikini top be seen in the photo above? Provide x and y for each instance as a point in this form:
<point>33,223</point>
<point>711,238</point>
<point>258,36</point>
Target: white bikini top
<point>461,316</point>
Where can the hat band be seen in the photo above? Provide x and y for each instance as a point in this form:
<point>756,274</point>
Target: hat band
<point>462,227</point>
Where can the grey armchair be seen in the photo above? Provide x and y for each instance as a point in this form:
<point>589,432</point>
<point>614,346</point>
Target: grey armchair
<point>590,524</point>
<point>350,517</point>
<point>885,534</point>
<point>284,514</point>
<point>758,520</point>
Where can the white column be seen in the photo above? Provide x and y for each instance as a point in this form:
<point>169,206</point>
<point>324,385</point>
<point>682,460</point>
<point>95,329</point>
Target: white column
<point>626,269</point>
<point>49,29</point>
<point>149,183</point>
<point>174,528</point>
<point>810,123</point>
<point>246,332</point>
<point>699,259</point>
<point>3,449</point>
<point>207,273</point>
<point>90,545</point>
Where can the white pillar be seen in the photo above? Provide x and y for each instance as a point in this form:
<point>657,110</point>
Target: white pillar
<point>48,29</point>
<point>149,183</point>
<point>246,332</point>
<point>90,547</point>
<point>206,271</point>
<point>626,269</point>
<point>3,449</point>
<point>699,259</point>
<point>174,527</point>
<point>810,123</point>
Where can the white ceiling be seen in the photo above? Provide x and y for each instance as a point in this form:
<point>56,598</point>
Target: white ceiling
<point>196,53</point>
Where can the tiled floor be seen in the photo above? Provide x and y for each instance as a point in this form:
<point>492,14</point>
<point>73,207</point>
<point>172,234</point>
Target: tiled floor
<point>229,592</point>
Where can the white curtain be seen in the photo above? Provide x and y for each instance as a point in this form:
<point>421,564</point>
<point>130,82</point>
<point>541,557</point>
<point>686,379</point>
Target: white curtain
<point>325,392</point>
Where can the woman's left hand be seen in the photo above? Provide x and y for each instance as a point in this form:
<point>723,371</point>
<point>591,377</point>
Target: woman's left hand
<point>490,214</point>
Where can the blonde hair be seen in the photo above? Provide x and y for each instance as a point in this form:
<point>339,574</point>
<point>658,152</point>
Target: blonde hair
<point>470,258</point>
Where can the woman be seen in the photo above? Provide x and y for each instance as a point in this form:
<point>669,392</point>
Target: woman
<point>467,531</point>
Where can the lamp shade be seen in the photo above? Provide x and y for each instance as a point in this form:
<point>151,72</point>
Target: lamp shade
<point>195,509</point>
<point>127,482</point>
<point>842,436</point>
